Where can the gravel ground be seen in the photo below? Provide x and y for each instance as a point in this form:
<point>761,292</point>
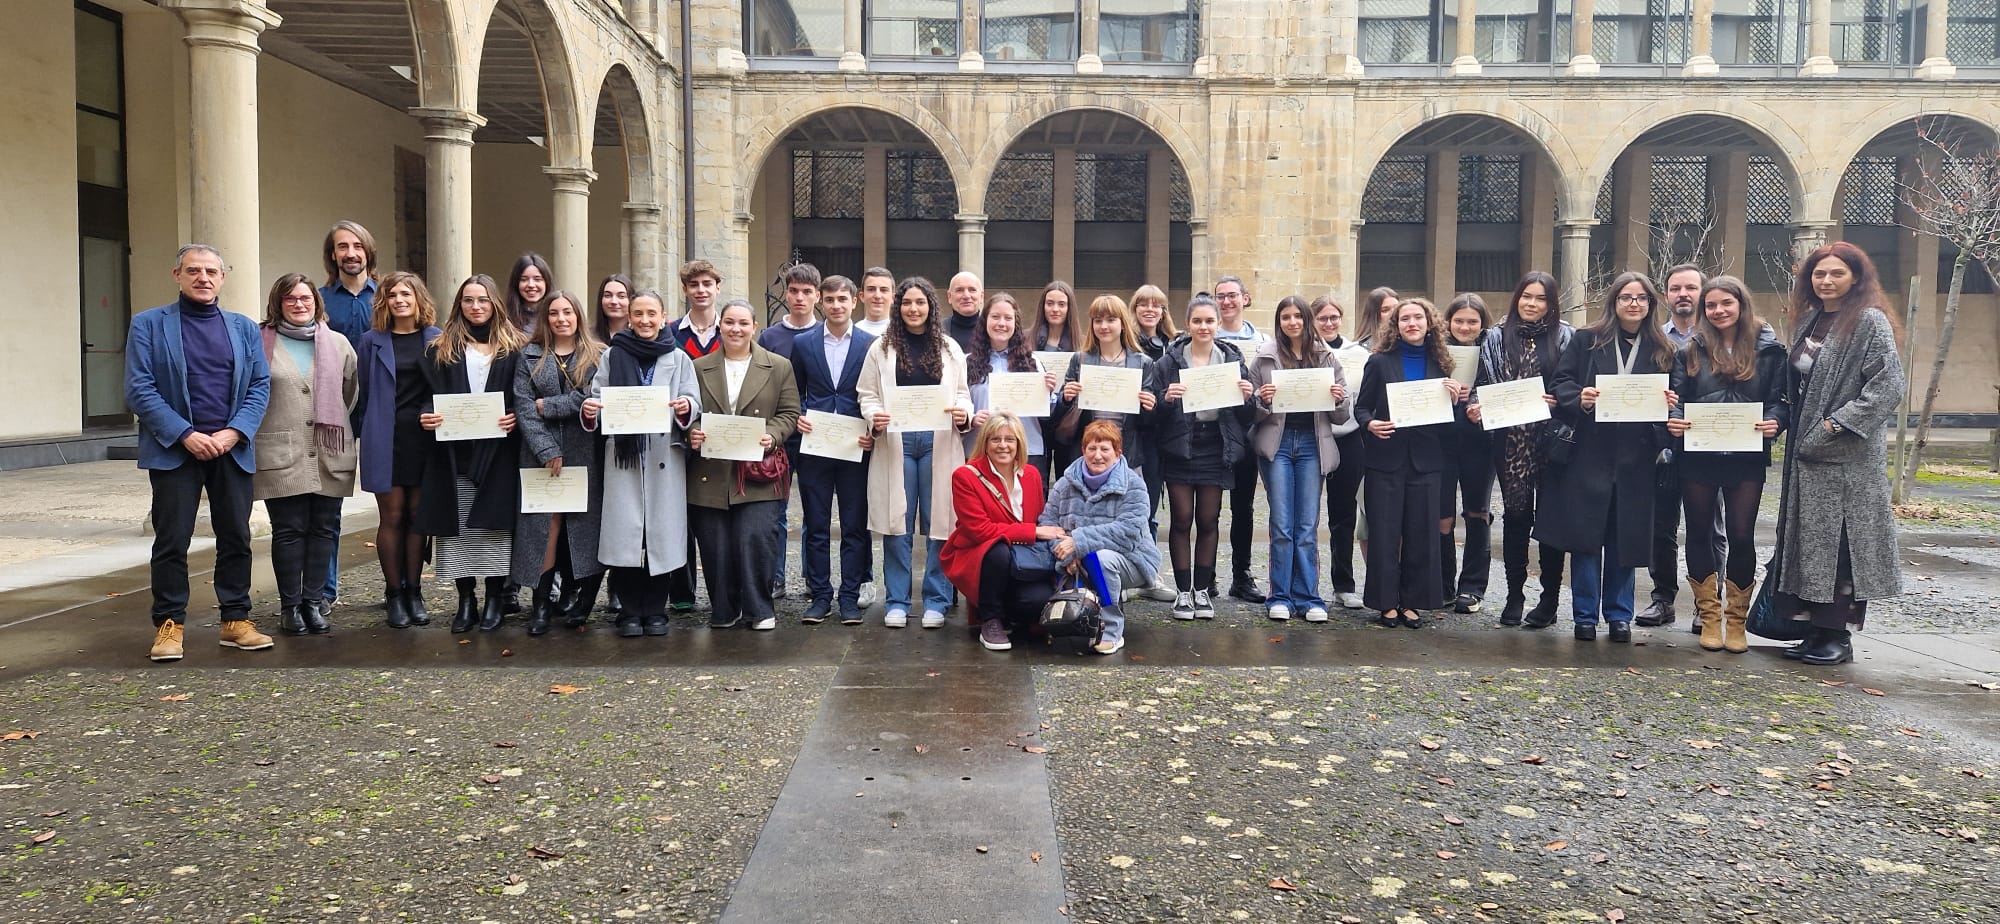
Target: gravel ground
<point>1510,794</point>
<point>259,796</point>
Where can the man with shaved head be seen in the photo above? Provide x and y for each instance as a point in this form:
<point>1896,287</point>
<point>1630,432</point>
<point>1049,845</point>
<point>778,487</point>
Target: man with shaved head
<point>967,297</point>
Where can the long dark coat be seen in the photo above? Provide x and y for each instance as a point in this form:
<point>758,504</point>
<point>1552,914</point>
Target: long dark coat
<point>556,430</point>
<point>491,464</point>
<point>1611,465</point>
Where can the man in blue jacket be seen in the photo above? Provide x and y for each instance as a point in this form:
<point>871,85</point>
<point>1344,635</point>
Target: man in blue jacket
<point>826,359</point>
<point>196,378</point>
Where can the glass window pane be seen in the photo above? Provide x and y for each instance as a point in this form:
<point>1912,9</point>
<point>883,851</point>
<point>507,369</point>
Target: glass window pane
<point>1029,30</point>
<point>1148,30</point>
<point>97,54</point>
<point>1762,32</point>
<point>805,28</point>
<point>1974,30</point>
<point>1399,31</point>
<point>1864,31</point>
<point>1639,31</point>
<point>100,156</point>
<point>913,28</point>
<point>1512,31</point>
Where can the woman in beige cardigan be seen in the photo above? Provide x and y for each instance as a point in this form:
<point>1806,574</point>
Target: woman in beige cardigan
<point>305,453</point>
<point>909,473</point>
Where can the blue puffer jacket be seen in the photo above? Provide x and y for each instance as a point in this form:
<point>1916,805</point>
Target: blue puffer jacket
<point>1112,518</point>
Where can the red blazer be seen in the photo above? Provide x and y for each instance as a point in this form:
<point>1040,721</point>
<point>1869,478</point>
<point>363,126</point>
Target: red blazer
<point>984,519</point>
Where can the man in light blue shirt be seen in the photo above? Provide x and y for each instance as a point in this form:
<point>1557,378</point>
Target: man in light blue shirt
<point>1231,298</point>
<point>349,295</point>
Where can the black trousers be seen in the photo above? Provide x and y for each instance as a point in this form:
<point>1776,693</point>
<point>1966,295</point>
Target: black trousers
<point>1402,541</point>
<point>1465,490</point>
<point>1343,490</point>
<point>1001,597</point>
<point>738,547</point>
<point>640,592</point>
<point>1242,515</point>
<point>1665,568</point>
<point>176,500</point>
<point>305,534</point>
<point>823,484</point>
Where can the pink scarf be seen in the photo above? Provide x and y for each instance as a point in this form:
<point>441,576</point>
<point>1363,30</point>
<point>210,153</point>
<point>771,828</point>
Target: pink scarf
<point>329,402</point>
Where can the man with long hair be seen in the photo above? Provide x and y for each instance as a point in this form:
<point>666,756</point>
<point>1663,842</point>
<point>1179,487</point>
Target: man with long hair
<point>349,293</point>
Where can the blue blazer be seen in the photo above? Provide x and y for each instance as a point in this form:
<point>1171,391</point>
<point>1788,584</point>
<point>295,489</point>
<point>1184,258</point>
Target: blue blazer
<point>375,407</point>
<point>819,389</point>
<point>156,387</point>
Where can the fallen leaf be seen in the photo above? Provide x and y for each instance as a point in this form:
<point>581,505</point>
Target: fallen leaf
<point>43,838</point>
<point>1035,749</point>
<point>1910,731</point>
<point>1282,884</point>
<point>1535,759</point>
<point>1446,781</point>
<point>1620,755</point>
<point>933,672</point>
<point>1446,855</point>
<point>563,689</point>
<point>1428,745</point>
<point>1614,915</point>
<point>1871,691</point>
<point>20,735</point>
<point>1975,774</point>
<point>1703,744</point>
<point>1618,794</point>
<point>1275,639</point>
<point>1632,670</point>
<point>1035,857</point>
<point>541,853</point>
<point>504,744</point>
<point>175,698</point>
<point>1833,683</point>
<point>506,652</point>
<point>1453,820</point>
<point>55,814</point>
<point>1128,658</point>
<point>490,779</point>
<point>1823,786</point>
<point>922,749</point>
<point>1557,845</point>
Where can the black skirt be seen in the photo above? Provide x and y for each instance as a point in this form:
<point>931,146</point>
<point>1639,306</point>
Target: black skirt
<point>1720,469</point>
<point>406,465</point>
<point>1207,467</point>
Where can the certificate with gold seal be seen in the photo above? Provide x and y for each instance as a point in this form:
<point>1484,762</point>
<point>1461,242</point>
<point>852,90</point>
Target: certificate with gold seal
<point>1632,398</point>
<point>1022,394</point>
<point>834,436</point>
<point>1213,387</point>
<point>1113,389</point>
<point>918,408</point>
<point>568,492</point>
<point>636,409</point>
<point>1723,426</point>
<point>470,417</point>
<point>731,436</point>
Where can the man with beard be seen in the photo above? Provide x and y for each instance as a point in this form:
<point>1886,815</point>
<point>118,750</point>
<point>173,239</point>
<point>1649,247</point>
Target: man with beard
<point>349,295</point>
<point>1683,290</point>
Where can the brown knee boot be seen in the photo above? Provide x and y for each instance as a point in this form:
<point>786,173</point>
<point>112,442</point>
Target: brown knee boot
<point>1737,616</point>
<point>1708,610</point>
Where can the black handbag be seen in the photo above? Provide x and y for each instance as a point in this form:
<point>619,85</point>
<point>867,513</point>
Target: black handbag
<point>1559,442</point>
<point>1033,563</point>
<point>1074,612</point>
<point>1667,470</point>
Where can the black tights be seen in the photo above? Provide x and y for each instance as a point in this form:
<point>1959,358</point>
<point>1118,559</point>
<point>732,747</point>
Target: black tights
<point>1739,509</point>
<point>1196,509</point>
<point>397,546</point>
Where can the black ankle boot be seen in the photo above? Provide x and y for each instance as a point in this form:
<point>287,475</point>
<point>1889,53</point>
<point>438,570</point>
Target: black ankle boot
<point>1544,613</point>
<point>314,613</point>
<point>1835,646</point>
<point>292,620</point>
<point>1806,644</point>
<point>397,605</point>
<point>1448,566</point>
<point>577,612</point>
<point>510,597</point>
<point>496,604</point>
<point>630,626</point>
<point>468,606</point>
<point>413,603</point>
<point>1510,614</point>
<point>542,604</point>
<point>656,624</point>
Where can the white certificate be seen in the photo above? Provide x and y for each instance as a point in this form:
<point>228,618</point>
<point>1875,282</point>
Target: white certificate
<point>917,408</point>
<point>1421,403</point>
<point>470,417</point>
<point>1353,362</point>
<point>1512,404</point>
<point>568,492</point>
<point>731,436</point>
<point>1464,364</point>
<point>1302,390</point>
<point>636,409</point>
<point>1632,398</point>
<point>1724,427</point>
<point>1022,394</point>
<point>1212,387</point>
<point>1114,389</point>
<point>1056,361</point>
<point>834,437</point>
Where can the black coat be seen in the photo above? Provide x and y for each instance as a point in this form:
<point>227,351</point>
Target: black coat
<point>1766,386</point>
<point>1612,465</point>
<point>493,465</point>
<point>1419,449</point>
<point>1172,426</point>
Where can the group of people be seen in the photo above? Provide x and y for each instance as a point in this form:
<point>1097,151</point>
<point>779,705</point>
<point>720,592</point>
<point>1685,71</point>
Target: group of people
<point>926,433</point>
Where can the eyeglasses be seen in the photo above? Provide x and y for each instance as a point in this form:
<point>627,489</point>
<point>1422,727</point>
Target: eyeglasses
<point>296,300</point>
<point>1633,299</point>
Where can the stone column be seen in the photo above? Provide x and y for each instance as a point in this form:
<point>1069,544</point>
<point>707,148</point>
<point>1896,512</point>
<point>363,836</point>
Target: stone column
<point>222,136</point>
<point>1937,52</point>
<point>1582,40</point>
<point>570,258</point>
<point>972,243</point>
<point>1729,203</point>
<point>642,240</point>
<point>1062,231</point>
<point>1087,59</point>
<point>1346,55</point>
<point>1441,226</point>
<point>1701,57</point>
<point>1538,237</point>
<point>1819,41</point>
<point>874,207</point>
<point>1575,233</point>
<point>851,43</point>
<point>969,58</point>
<point>1808,236</point>
<point>1466,63</point>
<point>1159,214</point>
<point>640,14</point>
<point>1632,210</point>
<point>1201,260</point>
<point>448,194</point>
<point>1349,291</point>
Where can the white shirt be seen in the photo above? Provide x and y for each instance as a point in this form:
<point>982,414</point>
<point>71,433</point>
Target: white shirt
<point>477,365</point>
<point>874,328</point>
<point>733,370</point>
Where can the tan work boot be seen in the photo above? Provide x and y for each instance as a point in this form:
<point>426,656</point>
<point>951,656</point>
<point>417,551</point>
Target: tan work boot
<point>167,642</point>
<point>1708,610</point>
<point>1737,616</point>
<point>240,633</point>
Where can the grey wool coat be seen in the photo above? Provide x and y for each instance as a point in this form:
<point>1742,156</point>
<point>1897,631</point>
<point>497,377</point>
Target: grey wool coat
<point>1837,483</point>
<point>645,518</point>
<point>555,430</point>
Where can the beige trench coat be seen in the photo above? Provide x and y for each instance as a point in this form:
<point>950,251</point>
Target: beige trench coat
<point>889,503</point>
<point>290,460</point>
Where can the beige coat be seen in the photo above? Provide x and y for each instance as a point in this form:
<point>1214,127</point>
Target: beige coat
<point>889,502</point>
<point>290,461</point>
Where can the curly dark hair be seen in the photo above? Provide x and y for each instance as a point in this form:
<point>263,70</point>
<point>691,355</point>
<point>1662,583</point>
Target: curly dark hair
<point>1020,352</point>
<point>919,353</point>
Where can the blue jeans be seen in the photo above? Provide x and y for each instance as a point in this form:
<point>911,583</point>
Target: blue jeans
<point>1292,484</point>
<point>332,589</point>
<point>1595,589</point>
<point>1110,573</point>
<point>896,549</point>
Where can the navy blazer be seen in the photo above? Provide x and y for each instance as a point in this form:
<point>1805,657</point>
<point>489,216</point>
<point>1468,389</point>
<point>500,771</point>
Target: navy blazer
<point>156,387</point>
<point>1413,449</point>
<point>375,407</point>
<point>819,389</point>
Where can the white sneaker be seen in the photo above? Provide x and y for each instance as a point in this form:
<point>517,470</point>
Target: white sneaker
<point>896,619</point>
<point>867,595</point>
<point>1109,646</point>
<point>1128,594</point>
<point>766,624</point>
<point>1159,591</point>
<point>933,619</point>
<point>1183,605</point>
<point>1349,601</point>
<point>1279,613</point>
<point>1203,609</point>
<point>1316,614</point>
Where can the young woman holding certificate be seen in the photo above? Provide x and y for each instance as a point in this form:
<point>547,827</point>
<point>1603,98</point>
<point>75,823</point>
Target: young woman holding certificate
<point>1602,501</point>
<point>394,444</point>
<point>1343,485</point>
<point>644,535</point>
<point>551,382</point>
<point>1403,465</point>
<point>909,473</point>
<point>1295,452</point>
<point>737,517</point>
<point>472,487</point>
<point>1199,450</point>
<point>1467,485</point>
<point>1731,358</point>
<point>1000,344</point>
<point>1113,345</point>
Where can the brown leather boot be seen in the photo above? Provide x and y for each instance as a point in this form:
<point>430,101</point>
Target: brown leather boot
<point>1708,610</point>
<point>1737,616</point>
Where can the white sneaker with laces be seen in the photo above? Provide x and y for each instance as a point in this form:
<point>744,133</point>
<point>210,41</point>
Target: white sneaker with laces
<point>867,595</point>
<point>933,619</point>
<point>1349,600</point>
<point>1159,591</point>
<point>1109,646</point>
<point>1280,613</point>
<point>1316,614</point>
<point>766,624</point>
<point>1203,609</point>
<point>896,619</point>
<point>1183,605</point>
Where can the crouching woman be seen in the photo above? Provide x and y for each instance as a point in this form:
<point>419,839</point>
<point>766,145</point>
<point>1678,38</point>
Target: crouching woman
<point>1100,503</point>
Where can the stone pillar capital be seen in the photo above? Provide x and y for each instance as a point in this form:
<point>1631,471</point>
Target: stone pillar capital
<point>451,126</point>
<point>971,221</point>
<point>1575,227</point>
<point>642,210</point>
<point>229,24</point>
<point>572,181</point>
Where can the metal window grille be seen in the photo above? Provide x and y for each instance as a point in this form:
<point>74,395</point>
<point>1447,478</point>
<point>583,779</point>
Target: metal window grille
<point>1180,195</point>
<point>920,187</point>
<point>1773,26</point>
<point>1870,192</point>
<point>1397,32</point>
<point>1973,35</point>
<point>1396,191</point>
<point>1680,190</point>
<point>1023,188</point>
<point>1865,31</point>
<point>1489,188</point>
<point>828,184</point>
<point>1767,198</point>
<point>1604,198</point>
<point>1110,187</point>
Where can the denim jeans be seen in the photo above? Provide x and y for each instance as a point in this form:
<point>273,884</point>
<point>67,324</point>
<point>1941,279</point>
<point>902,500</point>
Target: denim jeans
<point>916,522</point>
<point>1599,590</point>
<point>1292,483</point>
<point>1110,573</point>
<point>332,589</point>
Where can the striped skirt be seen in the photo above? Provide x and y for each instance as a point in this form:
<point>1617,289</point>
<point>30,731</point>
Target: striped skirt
<point>473,553</point>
